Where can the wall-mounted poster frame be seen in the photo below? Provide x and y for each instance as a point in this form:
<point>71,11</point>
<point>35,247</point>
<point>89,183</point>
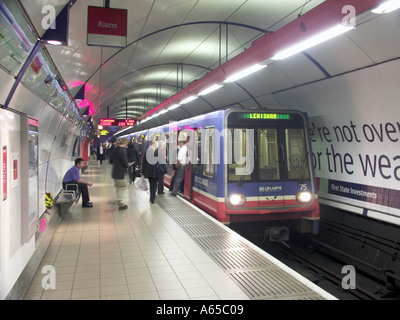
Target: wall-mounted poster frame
<point>29,177</point>
<point>4,168</point>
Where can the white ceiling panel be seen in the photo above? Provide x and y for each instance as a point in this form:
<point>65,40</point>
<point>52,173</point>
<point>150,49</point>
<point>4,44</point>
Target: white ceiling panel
<point>380,37</point>
<point>340,55</point>
<point>271,14</point>
<point>147,72</point>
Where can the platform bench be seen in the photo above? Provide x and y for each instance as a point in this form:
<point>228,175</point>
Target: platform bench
<point>66,198</point>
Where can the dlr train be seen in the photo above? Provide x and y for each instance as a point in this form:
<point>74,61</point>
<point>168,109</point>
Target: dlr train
<point>245,166</point>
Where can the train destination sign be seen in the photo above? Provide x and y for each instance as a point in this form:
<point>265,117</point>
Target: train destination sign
<point>117,122</point>
<point>268,116</point>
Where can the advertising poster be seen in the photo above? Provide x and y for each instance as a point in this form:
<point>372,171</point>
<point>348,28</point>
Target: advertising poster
<point>15,162</point>
<point>4,159</point>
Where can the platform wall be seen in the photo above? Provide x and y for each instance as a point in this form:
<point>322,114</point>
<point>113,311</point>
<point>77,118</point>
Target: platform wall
<point>57,136</point>
<point>355,128</point>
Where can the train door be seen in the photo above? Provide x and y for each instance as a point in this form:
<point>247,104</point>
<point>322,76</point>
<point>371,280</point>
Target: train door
<point>270,166</point>
<point>189,166</point>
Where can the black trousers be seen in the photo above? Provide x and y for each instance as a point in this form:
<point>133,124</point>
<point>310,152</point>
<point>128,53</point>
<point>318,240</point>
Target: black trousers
<point>153,188</point>
<point>179,180</point>
<point>171,186</point>
<point>82,188</point>
<point>160,184</point>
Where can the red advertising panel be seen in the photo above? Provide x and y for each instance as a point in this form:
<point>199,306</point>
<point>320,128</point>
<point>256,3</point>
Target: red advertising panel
<point>107,27</point>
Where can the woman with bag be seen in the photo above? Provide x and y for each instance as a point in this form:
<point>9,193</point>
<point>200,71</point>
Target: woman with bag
<point>149,169</point>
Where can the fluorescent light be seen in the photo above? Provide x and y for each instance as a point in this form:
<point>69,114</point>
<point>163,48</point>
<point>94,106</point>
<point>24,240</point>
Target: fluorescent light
<point>210,89</point>
<point>174,106</point>
<point>245,72</point>
<point>163,111</point>
<point>187,100</point>
<point>54,42</point>
<point>313,41</point>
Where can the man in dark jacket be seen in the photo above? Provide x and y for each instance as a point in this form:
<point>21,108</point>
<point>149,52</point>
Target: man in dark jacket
<point>133,157</point>
<point>111,150</point>
<point>120,167</point>
<point>149,169</point>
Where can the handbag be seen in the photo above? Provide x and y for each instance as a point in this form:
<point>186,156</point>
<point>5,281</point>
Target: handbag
<point>137,171</point>
<point>161,169</point>
<point>143,184</point>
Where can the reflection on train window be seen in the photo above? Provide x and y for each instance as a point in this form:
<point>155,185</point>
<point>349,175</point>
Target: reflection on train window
<point>196,152</point>
<point>238,143</point>
<point>142,144</point>
<point>268,154</point>
<point>173,151</point>
<point>208,155</point>
<point>297,164</point>
<point>167,147</point>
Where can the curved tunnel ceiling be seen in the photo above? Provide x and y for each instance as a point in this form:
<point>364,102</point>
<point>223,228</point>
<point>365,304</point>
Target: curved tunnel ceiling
<point>172,43</point>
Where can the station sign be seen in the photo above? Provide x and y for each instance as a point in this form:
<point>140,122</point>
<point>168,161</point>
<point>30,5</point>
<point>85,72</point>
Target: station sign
<point>117,122</point>
<point>107,27</point>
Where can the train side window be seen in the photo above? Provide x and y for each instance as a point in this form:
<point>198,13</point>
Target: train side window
<point>167,147</point>
<point>196,152</point>
<point>297,159</point>
<point>208,153</point>
<point>173,151</point>
<point>268,158</point>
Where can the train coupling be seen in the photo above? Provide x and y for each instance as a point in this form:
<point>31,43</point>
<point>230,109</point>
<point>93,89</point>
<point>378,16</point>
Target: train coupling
<point>276,233</point>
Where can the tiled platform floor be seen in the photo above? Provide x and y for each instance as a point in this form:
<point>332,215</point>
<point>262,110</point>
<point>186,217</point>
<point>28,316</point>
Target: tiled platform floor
<point>139,253</point>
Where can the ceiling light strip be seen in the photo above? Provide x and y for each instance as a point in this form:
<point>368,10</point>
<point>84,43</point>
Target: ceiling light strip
<point>325,16</point>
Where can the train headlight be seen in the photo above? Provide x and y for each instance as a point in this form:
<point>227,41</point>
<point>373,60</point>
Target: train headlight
<point>304,196</point>
<point>237,199</point>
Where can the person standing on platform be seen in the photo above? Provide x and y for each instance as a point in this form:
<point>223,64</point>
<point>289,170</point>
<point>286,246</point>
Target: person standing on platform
<point>72,176</point>
<point>111,150</point>
<point>161,167</point>
<point>120,163</point>
<point>149,169</point>
<point>100,153</point>
<point>180,165</point>
<point>173,170</point>
<point>133,158</point>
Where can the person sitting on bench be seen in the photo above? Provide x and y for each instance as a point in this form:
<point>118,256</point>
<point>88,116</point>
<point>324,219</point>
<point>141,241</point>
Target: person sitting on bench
<point>73,177</point>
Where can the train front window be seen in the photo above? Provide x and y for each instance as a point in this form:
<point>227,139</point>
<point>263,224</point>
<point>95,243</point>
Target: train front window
<point>297,163</point>
<point>241,160</point>
<point>268,158</point>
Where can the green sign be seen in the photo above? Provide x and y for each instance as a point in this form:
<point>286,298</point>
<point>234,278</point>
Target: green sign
<point>266,116</point>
